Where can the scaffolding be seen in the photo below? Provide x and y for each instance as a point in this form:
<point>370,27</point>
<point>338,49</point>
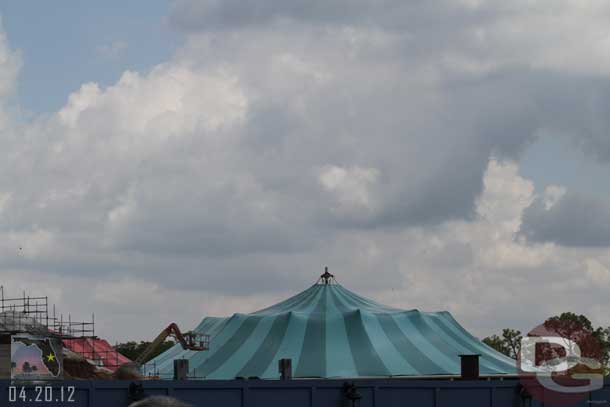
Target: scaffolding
<point>28,314</point>
<point>32,315</point>
<point>106,358</point>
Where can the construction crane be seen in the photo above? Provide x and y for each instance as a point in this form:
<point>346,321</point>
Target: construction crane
<point>189,341</point>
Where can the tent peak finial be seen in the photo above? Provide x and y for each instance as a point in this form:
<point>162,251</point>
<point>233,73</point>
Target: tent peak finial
<point>326,278</point>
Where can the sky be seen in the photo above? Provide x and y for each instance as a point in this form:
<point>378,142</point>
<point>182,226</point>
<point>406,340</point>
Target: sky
<point>163,161</point>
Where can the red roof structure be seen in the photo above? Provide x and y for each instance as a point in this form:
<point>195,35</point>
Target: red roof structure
<point>98,351</point>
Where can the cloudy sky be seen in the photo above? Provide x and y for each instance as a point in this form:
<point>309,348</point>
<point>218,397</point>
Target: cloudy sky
<point>163,161</point>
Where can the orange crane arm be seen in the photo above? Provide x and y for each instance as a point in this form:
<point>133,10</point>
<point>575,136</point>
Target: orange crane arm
<point>171,330</point>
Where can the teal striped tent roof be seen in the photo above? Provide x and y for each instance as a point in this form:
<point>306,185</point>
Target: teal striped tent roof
<point>329,331</point>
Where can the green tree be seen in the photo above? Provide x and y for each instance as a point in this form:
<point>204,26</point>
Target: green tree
<point>512,338</point>
<point>570,325</point>
<point>594,342</point>
<point>509,343</point>
<point>567,325</point>
<point>133,349</point>
<point>497,343</point>
<point>603,336</point>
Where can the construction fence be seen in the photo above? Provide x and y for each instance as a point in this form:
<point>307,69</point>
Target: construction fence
<point>292,393</point>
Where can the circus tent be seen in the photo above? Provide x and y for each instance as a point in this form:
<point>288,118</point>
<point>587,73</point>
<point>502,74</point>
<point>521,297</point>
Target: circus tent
<point>329,331</point>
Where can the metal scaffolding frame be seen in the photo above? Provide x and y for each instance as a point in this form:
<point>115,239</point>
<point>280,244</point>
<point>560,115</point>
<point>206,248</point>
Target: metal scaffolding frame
<point>34,315</point>
<point>31,314</point>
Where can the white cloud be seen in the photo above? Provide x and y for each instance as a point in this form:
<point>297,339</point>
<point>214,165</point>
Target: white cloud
<point>597,272</point>
<point>10,65</point>
<point>172,99</point>
<point>224,178</point>
<point>505,196</point>
<point>85,98</point>
<point>552,194</point>
<point>350,186</point>
<point>485,275</point>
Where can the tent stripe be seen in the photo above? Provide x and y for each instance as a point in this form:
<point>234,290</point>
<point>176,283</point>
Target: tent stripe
<point>456,343</point>
<point>291,344</point>
<point>308,304</point>
<point>409,352</point>
<point>226,331</point>
<point>386,350</point>
<point>411,327</point>
<point>217,359</point>
<point>294,338</point>
<point>313,356</point>
<point>290,302</point>
<point>208,325</point>
<point>506,361</point>
<point>498,363</point>
<point>340,363</point>
<point>266,352</point>
<point>160,361</point>
<point>164,362</point>
<point>237,359</point>
<point>368,362</point>
<point>361,302</point>
<point>329,331</point>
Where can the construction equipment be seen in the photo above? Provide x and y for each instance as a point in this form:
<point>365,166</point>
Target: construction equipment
<point>189,341</point>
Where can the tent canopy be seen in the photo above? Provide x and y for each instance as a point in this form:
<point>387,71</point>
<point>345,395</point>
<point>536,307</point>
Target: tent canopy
<point>329,331</point>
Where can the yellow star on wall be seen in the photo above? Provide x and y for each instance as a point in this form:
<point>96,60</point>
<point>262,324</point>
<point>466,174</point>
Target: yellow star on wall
<point>50,357</point>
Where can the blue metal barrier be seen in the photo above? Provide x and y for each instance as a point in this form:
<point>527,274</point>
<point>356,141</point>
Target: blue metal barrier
<point>292,393</point>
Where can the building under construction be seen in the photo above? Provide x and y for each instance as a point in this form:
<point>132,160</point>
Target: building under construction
<point>34,340</point>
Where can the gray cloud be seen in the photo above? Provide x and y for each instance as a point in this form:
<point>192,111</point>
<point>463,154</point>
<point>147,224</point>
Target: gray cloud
<point>286,135</point>
<point>574,220</point>
<point>540,68</point>
<point>222,151</point>
<point>10,64</point>
<point>213,14</point>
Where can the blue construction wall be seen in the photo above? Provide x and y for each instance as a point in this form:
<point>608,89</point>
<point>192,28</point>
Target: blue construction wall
<point>300,393</point>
